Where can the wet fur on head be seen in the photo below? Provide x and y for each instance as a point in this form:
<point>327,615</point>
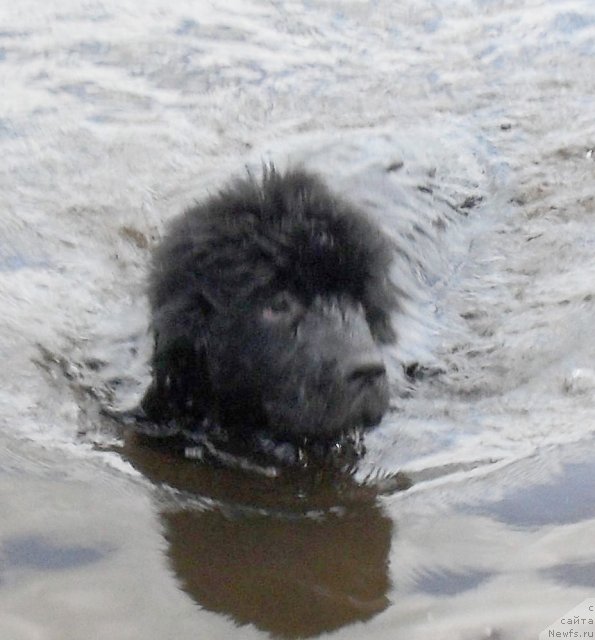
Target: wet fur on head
<point>220,269</point>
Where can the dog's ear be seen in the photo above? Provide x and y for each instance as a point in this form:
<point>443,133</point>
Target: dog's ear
<point>381,300</point>
<point>181,386</point>
<point>381,326</point>
<point>178,292</point>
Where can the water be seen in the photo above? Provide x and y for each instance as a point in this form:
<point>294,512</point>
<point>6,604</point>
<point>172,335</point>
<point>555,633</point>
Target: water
<point>113,117</point>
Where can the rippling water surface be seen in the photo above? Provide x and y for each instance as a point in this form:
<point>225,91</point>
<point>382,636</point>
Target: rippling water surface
<point>467,128</point>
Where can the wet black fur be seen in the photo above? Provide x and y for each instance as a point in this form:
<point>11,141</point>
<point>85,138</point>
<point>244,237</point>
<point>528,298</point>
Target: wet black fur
<point>238,248</point>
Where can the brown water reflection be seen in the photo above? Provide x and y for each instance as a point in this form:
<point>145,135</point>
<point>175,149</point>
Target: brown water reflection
<point>295,555</point>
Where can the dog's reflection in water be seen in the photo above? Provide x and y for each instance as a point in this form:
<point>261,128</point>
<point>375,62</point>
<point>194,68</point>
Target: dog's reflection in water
<point>295,555</point>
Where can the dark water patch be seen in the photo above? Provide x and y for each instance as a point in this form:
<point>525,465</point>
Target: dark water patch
<point>571,22</point>
<point>216,32</point>
<point>432,25</point>
<point>13,35</point>
<point>14,262</point>
<point>35,552</point>
<point>102,119</point>
<point>450,583</point>
<point>88,13</point>
<point>582,575</point>
<point>77,89</point>
<point>186,26</point>
<point>566,499</point>
<point>296,555</point>
<point>17,261</point>
<point>294,577</point>
<point>8,131</point>
<point>91,48</point>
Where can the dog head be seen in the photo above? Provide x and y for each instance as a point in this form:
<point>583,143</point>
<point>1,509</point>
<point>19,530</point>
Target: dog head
<point>269,302</point>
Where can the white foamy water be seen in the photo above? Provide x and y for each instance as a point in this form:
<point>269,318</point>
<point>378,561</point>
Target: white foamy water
<point>466,128</point>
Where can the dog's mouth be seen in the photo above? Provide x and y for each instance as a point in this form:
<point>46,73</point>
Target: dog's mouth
<point>342,451</point>
<point>254,449</point>
<point>258,451</point>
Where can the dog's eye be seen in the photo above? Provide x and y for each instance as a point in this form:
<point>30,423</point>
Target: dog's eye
<point>283,307</point>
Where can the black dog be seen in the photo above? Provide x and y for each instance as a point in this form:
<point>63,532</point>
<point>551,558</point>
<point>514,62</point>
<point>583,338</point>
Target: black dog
<point>269,301</point>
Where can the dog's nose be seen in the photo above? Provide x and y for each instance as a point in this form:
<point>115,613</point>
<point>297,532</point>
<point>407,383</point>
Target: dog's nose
<point>364,371</point>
